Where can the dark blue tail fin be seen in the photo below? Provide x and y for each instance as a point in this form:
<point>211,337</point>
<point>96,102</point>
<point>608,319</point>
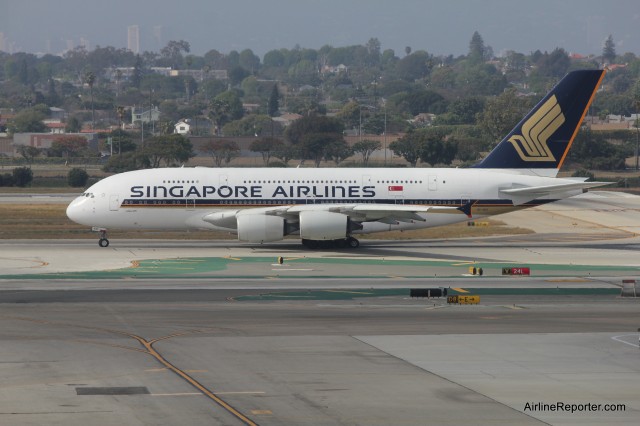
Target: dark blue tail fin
<point>543,138</point>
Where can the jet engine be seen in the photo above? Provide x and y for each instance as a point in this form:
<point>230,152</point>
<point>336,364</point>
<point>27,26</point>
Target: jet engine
<point>322,225</point>
<point>261,228</point>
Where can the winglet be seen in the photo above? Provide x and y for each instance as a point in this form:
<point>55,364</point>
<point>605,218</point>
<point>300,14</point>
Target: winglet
<point>543,138</point>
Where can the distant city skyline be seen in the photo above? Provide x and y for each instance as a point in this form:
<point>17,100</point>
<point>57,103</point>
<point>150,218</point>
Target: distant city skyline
<point>133,38</point>
<point>440,28</point>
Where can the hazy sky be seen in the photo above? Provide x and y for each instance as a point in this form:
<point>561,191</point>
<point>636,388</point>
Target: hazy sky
<point>437,26</point>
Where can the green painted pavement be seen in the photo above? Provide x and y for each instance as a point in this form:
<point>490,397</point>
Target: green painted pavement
<point>214,267</point>
<point>359,293</point>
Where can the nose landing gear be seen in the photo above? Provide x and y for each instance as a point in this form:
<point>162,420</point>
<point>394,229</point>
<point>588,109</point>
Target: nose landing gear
<point>103,241</point>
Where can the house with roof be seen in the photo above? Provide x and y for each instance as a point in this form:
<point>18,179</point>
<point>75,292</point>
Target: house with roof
<point>182,127</point>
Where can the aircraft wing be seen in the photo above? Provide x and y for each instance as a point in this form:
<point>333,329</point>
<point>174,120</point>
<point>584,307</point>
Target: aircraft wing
<point>523,194</point>
<point>385,213</point>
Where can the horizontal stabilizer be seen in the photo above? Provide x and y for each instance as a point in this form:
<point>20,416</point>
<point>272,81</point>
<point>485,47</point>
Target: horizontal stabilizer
<point>527,193</point>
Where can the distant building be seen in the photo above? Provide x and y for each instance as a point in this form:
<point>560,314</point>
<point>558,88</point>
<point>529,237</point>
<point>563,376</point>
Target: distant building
<point>286,119</point>
<point>126,73</point>
<point>199,75</point>
<point>45,140</point>
<point>133,38</point>
<point>144,115</point>
<point>328,69</point>
<point>182,127</point>
<point>55,127</point>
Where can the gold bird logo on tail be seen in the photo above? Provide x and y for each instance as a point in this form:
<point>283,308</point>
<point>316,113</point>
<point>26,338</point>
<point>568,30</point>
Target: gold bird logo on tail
<point>531,145</point>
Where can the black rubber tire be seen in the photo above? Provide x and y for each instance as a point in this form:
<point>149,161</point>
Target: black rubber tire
<point>103,242</point>
<point>341,243</point>
<point>353,242</point>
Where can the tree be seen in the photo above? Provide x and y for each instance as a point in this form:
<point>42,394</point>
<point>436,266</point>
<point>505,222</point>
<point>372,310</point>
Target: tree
<point>350,114</point>
<point>266,147</point>
<point>373,49</point>
<point>133,160</point>
<point>90,79</point>
<point>273,59</point>
<point>22,176</point>
<point>312,124</point>
<point>418,101</point>
<point>172,52</point>
<point>609,50</point>
<point>77,178</point>
<point>224,108</point>
<point>414,67</point>
<point>136,77</point>
<point>274,100</point>
<point>249,61</point>
<point>365,148</point>
<point>636,102</point>
<point>477,49</point>
<point>408,147</point>
<point>222,150</point>
<point>68,146</point>
<point>73,125</point>
<point>251,125</point>
<point>28,153</point>
<point>462,111</point>
<point>219,113</point>
<point>122,141</point>
<point>437,151</point>
<point>501,114</point>
<point>28,121</point>
<point>286,153</point>
<point>318,146</point>
<point>52,96</point>
<point>313,134</point>
<point>170,149</point>
<point>554,64</point>
<point>338,151</point>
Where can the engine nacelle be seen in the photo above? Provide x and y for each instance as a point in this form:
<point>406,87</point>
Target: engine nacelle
<point>319,225</point>
<point>260,228</point>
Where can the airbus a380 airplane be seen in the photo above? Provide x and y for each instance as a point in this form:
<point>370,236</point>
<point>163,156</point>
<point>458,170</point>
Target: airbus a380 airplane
<point>327,207</point>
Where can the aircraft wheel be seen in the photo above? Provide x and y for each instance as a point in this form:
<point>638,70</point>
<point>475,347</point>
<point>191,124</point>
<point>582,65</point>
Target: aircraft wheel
<point>103,242</point>
<point>353,242</point>
<point>341,243</point>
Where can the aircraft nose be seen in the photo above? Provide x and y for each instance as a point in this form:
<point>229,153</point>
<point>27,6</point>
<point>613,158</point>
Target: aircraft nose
<point>77,210</point>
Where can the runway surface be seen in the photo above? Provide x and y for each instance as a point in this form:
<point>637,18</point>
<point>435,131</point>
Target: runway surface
<point>165,333</point>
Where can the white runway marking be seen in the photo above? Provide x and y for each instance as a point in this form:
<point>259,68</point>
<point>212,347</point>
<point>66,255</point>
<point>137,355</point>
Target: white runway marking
<point>619,339</point>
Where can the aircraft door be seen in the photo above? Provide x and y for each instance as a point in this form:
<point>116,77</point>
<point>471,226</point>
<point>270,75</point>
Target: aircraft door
<point>114,202</point>
<point>433,182</point>
<point>191,203</point>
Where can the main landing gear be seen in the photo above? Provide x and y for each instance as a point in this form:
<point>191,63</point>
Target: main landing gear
<point>327,244</point>
<point>103,241</point>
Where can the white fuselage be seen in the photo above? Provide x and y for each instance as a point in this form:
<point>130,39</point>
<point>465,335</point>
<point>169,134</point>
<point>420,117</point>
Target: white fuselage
<point>180,198</point>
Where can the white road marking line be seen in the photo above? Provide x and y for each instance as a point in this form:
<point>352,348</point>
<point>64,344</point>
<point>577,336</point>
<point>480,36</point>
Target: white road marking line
<point>618,339</point>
